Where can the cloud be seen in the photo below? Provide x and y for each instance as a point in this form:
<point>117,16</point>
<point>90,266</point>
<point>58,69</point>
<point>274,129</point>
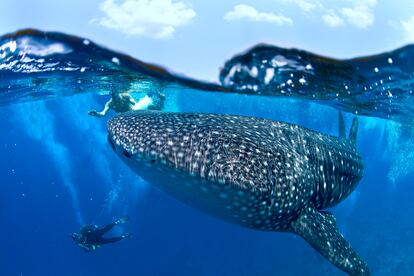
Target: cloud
<point>150,18</point>
<point>358,13</point>
<point>359,16</point>
<point>332,19</point>
<point>408,27</point>
<point>246,12</point>
<point>306,5</point>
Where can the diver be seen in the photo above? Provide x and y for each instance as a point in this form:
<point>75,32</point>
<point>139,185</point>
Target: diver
<point>123,102</point>
<point>90,237</point>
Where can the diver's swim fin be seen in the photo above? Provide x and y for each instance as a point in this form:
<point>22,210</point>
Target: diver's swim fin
<point>122,220</point>
<point>320,231</point>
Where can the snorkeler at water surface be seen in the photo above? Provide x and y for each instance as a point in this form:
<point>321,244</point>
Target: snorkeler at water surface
<point>123,102</point>
<point>90,237</point>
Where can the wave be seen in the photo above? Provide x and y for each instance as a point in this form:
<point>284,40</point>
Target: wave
<point>37,65</point>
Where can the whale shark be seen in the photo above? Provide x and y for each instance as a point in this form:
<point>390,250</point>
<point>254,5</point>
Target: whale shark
<point>254,172</point>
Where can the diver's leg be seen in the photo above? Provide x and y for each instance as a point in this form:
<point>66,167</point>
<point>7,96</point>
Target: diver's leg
<point>122,220</point>
<point>105,229</point>
<point>143,103</point>
<point>114,239</point>
<point>158,101</point>
<point>108,228</point>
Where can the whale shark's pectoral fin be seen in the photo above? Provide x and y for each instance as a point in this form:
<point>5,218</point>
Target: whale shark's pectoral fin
<point>320,231</point>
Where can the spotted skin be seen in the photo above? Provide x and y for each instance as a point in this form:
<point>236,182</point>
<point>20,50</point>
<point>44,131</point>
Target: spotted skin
<point>258,173</point>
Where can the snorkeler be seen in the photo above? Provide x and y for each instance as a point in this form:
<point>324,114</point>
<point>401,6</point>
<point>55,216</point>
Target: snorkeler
<point>90,237</point>
<point>123,102</point>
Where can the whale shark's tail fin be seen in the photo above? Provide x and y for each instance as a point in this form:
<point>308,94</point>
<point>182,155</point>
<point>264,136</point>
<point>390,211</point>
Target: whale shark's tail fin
<point>353,131</point>
<point>341,125</point>
<point>320,231</point>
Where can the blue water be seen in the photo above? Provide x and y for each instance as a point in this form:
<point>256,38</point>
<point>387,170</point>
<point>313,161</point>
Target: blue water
<point>58,172</point>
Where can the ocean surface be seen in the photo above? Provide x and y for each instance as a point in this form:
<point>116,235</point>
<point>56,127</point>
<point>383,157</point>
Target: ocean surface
<point>58,171</point>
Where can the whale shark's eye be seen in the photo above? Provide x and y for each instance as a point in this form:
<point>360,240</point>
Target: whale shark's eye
<point>126,154</point>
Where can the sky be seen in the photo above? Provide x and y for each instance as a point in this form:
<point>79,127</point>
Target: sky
<point>196,37</point>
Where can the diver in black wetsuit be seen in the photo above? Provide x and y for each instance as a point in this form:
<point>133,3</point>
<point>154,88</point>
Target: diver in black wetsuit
<point>90,237</point>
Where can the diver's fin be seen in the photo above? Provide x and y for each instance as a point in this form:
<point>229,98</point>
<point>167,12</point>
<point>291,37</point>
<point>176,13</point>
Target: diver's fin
<point>341,125</point>
<point>122,220</point>
<point>320,231</point>
<point>353,131</point>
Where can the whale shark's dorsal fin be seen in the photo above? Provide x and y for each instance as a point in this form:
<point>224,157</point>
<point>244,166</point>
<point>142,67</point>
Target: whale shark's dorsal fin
<point>320,231</point>
<point>353,131</point>
<point>341,125</point>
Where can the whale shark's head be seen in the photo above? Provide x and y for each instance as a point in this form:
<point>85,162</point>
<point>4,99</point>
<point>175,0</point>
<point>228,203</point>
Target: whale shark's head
<point>146,138</point>
<point>164,147</point>
<point>209,146</point>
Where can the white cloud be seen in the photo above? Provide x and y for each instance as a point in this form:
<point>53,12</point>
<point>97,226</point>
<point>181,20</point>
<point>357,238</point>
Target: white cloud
<point>359,16</point>
<point>246,12</point>
<point>408,27</point>
<point>358,13</point>
<point>306,5</point>
<point>332,19</point>
<point>151,18</point>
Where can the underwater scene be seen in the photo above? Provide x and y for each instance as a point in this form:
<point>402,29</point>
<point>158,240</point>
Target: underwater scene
<point>290,163</point>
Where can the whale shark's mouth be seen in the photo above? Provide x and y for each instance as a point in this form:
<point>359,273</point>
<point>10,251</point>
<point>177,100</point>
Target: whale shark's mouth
<point>119,150</point>
<point>117,137</point>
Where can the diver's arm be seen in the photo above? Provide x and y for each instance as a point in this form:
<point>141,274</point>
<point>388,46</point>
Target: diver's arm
<point>113,239</point>
<point>132,100</point>
<point>106,108</point>
<point>129,96</point>
<point>103,112</point>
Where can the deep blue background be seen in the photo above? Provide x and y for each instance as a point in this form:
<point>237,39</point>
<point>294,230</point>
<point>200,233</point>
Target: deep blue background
<point>44,145</point>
